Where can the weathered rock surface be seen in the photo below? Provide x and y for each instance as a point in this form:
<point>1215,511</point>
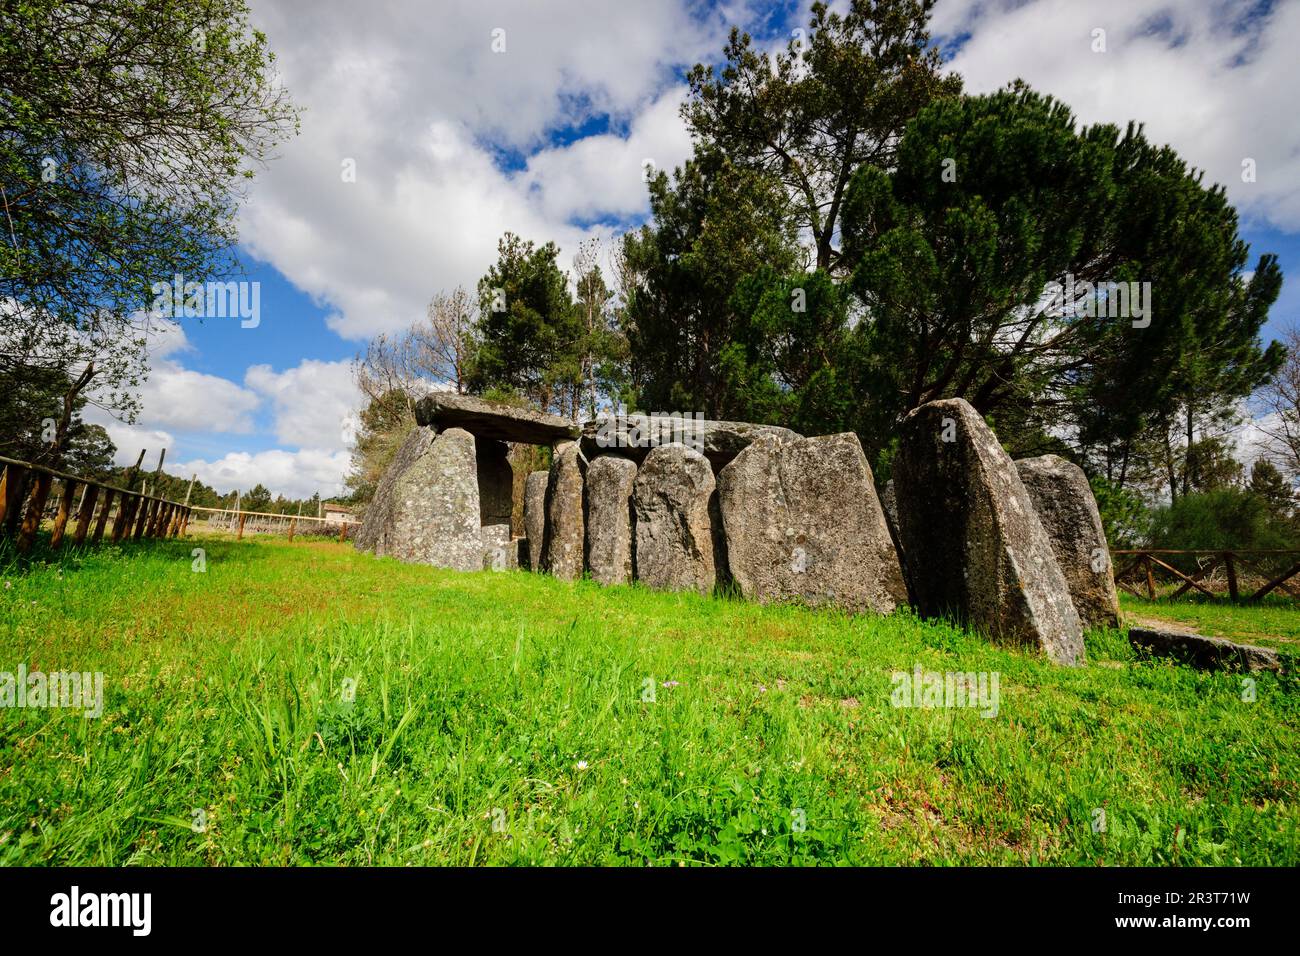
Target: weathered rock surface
<point>495,481</point>
<point>535,516</point>
<point>634,436</point>
<point>803,523</point>
<point>676,537</point>
<point>974,545</point>
<point>426,508</point>
<point>487,419</point>
<point>499,550</point>
<point>610,480</point>
<point>1206,653</point>
<point>1063,499</point>
<point>563,539</point>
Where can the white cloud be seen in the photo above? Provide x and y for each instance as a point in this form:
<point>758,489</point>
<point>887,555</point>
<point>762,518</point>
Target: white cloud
<point>310,402</point>
<point>1199,76</point>
<point>421,104</point>
<point>297,474</point>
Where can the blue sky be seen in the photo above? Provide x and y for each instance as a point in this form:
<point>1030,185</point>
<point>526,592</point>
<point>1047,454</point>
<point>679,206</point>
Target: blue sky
<point>454,143</point>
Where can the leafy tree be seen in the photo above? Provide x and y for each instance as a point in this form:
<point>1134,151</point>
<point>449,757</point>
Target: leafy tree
<point>36,406</point>
<point>528,336</point>
<point>996,196</point>
<point>384,424</point>
<point>1227,518</point>
<point>715,223</point>
<point>125,127</point>
<point>1269,484</point>
<point>836,99</point>
<point>258,498</point>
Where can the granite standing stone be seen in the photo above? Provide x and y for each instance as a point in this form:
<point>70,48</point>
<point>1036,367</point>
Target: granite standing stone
<point>676,537</point>
<point>610,481</point>
<point>975,547</point>
<point>803,523</point>
<point>563,539</point>
<point>429,511</point>
<point>535,516</point>
<point>1063,499</point>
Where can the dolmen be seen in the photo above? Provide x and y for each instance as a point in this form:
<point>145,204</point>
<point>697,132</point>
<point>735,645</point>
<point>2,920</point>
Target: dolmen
<point>446,499</point>
<point>1014,550</point>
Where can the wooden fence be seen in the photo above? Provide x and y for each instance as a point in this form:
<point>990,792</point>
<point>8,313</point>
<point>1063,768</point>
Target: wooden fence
<point>264,522</point>
<point>1247,575</point>
<point>25,492</point>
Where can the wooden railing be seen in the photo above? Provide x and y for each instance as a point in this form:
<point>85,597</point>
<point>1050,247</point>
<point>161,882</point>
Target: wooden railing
<point>265,522</point>
<point>1148,569</point>
<point>25,492</point>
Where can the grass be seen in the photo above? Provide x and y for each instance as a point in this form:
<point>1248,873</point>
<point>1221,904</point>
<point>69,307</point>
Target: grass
<point>1275,622</point>
<point>500,719</point>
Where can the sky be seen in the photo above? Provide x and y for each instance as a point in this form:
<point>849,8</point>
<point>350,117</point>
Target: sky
<point>427,133</point>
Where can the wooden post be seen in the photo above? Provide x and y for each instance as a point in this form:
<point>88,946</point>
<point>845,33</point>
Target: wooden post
<point>1151,579</point>
<point>343,535</point>
<point>15,488</point>
<point>126,505</point>
<point>185,520</point>
<point>1232,575</point>
<point>65,509</point>
<point>242,518</point>
<point>84,513</point>
<point>103,515</point>
<point>292,523</point>
<point>40,493</point>
<point>141,516</point>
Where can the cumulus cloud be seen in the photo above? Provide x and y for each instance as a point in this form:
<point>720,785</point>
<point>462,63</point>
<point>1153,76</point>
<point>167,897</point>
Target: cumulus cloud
<point>449,140</point>
<point>297,474</point>
<point>312,403</point>
<point>1210,79</point>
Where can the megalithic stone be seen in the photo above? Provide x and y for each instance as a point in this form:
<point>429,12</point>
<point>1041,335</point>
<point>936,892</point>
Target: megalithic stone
<point>535,516</point>
<point>975,547</point>
<point>1063,499</point>
<point>676,520</point>
<point>610,480</point>
<point>803,523</point>
<point>426,510</point>
<point>564,539</point>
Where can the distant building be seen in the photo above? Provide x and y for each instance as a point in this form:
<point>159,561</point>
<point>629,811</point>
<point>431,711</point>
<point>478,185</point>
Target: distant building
<point>338,514</point>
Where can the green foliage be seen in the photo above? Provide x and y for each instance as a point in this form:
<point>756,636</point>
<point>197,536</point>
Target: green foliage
<point>128,125</point>
<point>1124,515</point>
<point>479,693</point>
<point>835,99</point>
<point>715,224</point>
<point>528,335</point>
<point>995,196</point>
<point>1226,518</point>
<point>32,405</point>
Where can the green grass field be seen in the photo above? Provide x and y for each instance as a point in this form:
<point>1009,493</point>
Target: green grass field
<point>500,719</point>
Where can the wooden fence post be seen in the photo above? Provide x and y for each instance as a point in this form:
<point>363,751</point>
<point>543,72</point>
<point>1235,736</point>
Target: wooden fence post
<point>65,509</point>
<point>292,523</point>
<point>15,483</point>
<point>142,516</point>
<point>1151,579</point>
<point>104,510</point>
<point>243,516</point>
<point>1232,575</point>
<point>84,513</point>
<point>343,535</point>
<point>40,494</point>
